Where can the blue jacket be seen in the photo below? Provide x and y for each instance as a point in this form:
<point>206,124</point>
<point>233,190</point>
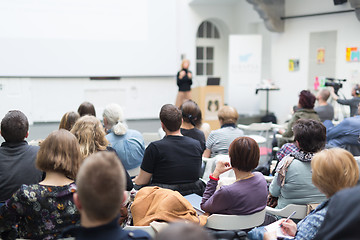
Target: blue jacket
<point>345,133</point>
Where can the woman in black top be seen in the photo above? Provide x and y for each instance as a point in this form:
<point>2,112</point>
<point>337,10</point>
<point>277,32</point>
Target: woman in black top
<point>184,81</point>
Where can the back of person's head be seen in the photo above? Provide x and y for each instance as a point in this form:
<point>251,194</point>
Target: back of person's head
<point>191,113</point>
<point>171,117</point>
<point>115,120</point>
<point>14,126</point>
<point>59,152</point>
<point>334,169</point>
<point>244,154</point>
<point>183,231</point>
<point>68,120</point>
<point>101,185</point>
<point>86,108</point>
<point>324,94</point>
<point>90,134</point>
<point>310,134</point>
<point>307,99</point>
<point>228,115</point>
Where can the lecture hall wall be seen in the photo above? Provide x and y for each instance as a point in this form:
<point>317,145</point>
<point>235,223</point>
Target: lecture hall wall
<point>46,99</point>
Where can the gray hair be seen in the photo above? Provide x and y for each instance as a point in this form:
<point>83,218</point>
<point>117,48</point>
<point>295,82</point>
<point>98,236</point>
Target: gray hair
<point>115,118</point>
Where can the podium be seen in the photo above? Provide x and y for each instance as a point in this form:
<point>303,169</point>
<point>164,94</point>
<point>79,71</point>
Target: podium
<point>210,99</point>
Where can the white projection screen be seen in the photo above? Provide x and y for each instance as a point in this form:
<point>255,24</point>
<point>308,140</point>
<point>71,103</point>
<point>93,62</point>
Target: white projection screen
<point>80,38</point>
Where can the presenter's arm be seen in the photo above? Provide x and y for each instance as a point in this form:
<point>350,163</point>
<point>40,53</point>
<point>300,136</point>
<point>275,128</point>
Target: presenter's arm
<point>143,178</point>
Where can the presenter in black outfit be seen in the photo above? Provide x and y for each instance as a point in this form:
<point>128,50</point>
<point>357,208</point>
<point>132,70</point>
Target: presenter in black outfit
<point>184,81</point>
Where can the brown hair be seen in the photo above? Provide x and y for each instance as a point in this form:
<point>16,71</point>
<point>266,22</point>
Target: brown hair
<point>228,114</point>
<point>244,154</point>
<point>310,134</point>
<point>86,108</point>
<point>101,185</point>
<point>334,169</point>
<point>59,152</point>
<point>14,126</point>
<point>191,113</point>
<point>307,99</point>
<point>171,117</point>
<point>68,120</point>
<point>90,134</point>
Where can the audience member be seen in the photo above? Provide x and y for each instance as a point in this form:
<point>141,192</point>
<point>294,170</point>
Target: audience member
<point>43,210</point>
<point>86,108</point>
<point>305,111</point>
<point>292,181</point>
<point>183,231</point>
<point>17,158</point>
<point>249,193</point>
<point>353,103</point>
<point>100,192</point>
<point>128,143</point>
<point>333,170</point>
<point>324,109</point>
<point>191,115</point>
<point>346,133</point>
<point>286,149</point>
<point>91,136</point>
<point>342,219</point>
<point>173,162</point>
<point>219,140</point>
<point>68,120</point>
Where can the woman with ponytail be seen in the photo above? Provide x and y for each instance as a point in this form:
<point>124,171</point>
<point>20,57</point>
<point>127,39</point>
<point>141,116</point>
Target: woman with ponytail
<point>191,114</point>
<point>128,143</point>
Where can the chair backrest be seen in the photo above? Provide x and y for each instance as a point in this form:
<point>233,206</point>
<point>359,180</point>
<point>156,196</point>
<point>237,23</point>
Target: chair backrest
<point>301,211</point>
<point>147,229</point>
<point>235,222</point>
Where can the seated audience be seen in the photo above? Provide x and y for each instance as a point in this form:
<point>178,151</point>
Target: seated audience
<point>17,158</point>
<point>128,143</point>
<point>305,111</point>
<point>292,181</point>
<point>86,108</point>
<point>183,231</point>
<point>342,219</point>
<point>248,194</point>
<point>346,133</point>
<point>333,170</point>
<point>100,191</point>
<point>219,140</point>
<point>91,136</point>
<point>173,162</point>
<point>68,120</point>
<point>191,114</point>
<point>43,210</point>
<point>324,109</point>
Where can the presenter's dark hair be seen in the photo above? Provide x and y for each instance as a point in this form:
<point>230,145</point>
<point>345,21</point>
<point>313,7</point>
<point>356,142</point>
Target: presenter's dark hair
<point>191,113</point>
<point>244,154</point>
<point>171,117</point>
<point>307,99</point>
<point>86,108</point>
<point>310,134</point>
<point>14,126</point>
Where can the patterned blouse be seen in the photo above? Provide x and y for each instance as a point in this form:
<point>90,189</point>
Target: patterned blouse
<point>40,211</point>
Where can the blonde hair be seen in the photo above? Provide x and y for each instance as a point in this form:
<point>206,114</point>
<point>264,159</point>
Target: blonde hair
<point>115,119</point>
<point>334,169</point>
<point>101,185</point>
<point>59,152</point>
<point>90,134</point>
<point>183,61</point>
<point>228,114</point>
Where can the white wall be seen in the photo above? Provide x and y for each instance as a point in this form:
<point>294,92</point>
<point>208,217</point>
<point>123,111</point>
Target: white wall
<point>294,43</point>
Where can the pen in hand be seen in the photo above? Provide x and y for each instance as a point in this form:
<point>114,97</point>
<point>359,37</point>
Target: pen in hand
<point>287,219</point>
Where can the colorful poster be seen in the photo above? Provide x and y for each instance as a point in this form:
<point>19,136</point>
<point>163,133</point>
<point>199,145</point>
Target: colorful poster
<point>294,65</point>
<point>352,54</point>
<point>320,57</point>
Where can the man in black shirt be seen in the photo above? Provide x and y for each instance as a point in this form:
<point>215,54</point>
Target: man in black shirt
<point>173,162</point>
<point>17,158</point>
